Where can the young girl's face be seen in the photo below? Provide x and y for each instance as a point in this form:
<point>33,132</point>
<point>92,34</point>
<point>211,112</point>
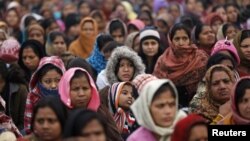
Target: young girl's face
<point>231,32</point>
<point>80,92</point>
<point>51,79</point>
<point>150,47</point>
<point>126,98</point>
<point>163,109</point>
<point>47,125</point>
<point>245,48</point>
<point>59,46</point>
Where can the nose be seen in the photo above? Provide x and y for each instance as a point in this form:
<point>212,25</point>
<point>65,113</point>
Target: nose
<point>126,68</point>
<point>222,85</point>
<point>53,85</point>
<point>81,93</point>
<point>45,125</point>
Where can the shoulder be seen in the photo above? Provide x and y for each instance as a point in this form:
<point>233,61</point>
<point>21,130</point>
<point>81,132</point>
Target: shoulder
<point>141,133</point>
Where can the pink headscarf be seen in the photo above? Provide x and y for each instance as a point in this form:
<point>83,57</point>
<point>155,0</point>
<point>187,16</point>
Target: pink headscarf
<point>137,23</point>
<point>64,89</point>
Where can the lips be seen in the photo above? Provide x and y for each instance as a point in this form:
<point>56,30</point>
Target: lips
<point>129,102</point>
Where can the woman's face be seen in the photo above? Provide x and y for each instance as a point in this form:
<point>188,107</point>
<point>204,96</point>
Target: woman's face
<point>244,105</point>
<point>84,9</point>
<point>175,11</point>
<point>216,24</point>
<point>59,46</point>
<point>198,133</point>
<point>145,19</point>
<point>150,47</point>
<point>245,48</point>
<point>53,27</point>
<point>12,18</point>
<point>93,131</point>
<point>101,23</point>
<point>51,79</point>
<point>231,32</point>
<point>221,86</point>
<point>36,35</point>
<point>30,59</point>
<point>88,28</point>
<point>181,38</point>
<point>163,109</point>
<point>206,37</point>
<point>126,98</point>
<point>47,125</point>
<point>80,92</point>
<point>190,5</point>
<point>222,12</point>
<point>126,70</point>
<point>232,14</point>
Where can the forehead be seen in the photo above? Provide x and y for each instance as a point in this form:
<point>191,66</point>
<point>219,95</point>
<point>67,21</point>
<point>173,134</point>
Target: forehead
<point>180,33</point>
<point>219,74</point>
<point>125,60</point>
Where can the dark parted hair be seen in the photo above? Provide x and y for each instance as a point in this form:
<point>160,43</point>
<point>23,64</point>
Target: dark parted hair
<point>115,25</point>
<point>82,63</point>
<point>55,104</point>
<point>47,68</point>
<point>245,34</point>
<point>179,26</point>
<point>103,39</point>
<point>218,58</point>
<point>53,34</point>
<point>79,119</point>
<point>163,88</point>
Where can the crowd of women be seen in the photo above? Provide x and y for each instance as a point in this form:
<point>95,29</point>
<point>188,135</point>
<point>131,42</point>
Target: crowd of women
<point>116,70</point>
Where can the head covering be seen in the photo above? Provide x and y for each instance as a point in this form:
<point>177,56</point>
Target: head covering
<point>122,118</point>
<point>183,127</point>
<point>64,89</point>
<point>141,108</point>
<point>149,33</point>
<point>84,44</point>
<point>236,115</point>
<point>207,107</point>
<point>237,44</point>
<point>9,50</point>
<point>97,60</point>
<point>129,8</point>
<point>158,4</point>
<point>212,17</point>
<point>137,23</point>
<point>116,20</point>
<point>224,45</point>
<point>13,4</point>
<point>130,39</point>
<point>185,66</point>
<point>36,16</point>
<point>118,54</point>
<point>141,80</point>
<point>35,27</point>
<point>53,60</point>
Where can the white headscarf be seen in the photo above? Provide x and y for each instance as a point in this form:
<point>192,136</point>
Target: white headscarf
<point>141,108</point>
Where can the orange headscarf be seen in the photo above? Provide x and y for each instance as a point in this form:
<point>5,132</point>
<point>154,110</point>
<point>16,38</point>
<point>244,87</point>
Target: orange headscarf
<point>84,44</point>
